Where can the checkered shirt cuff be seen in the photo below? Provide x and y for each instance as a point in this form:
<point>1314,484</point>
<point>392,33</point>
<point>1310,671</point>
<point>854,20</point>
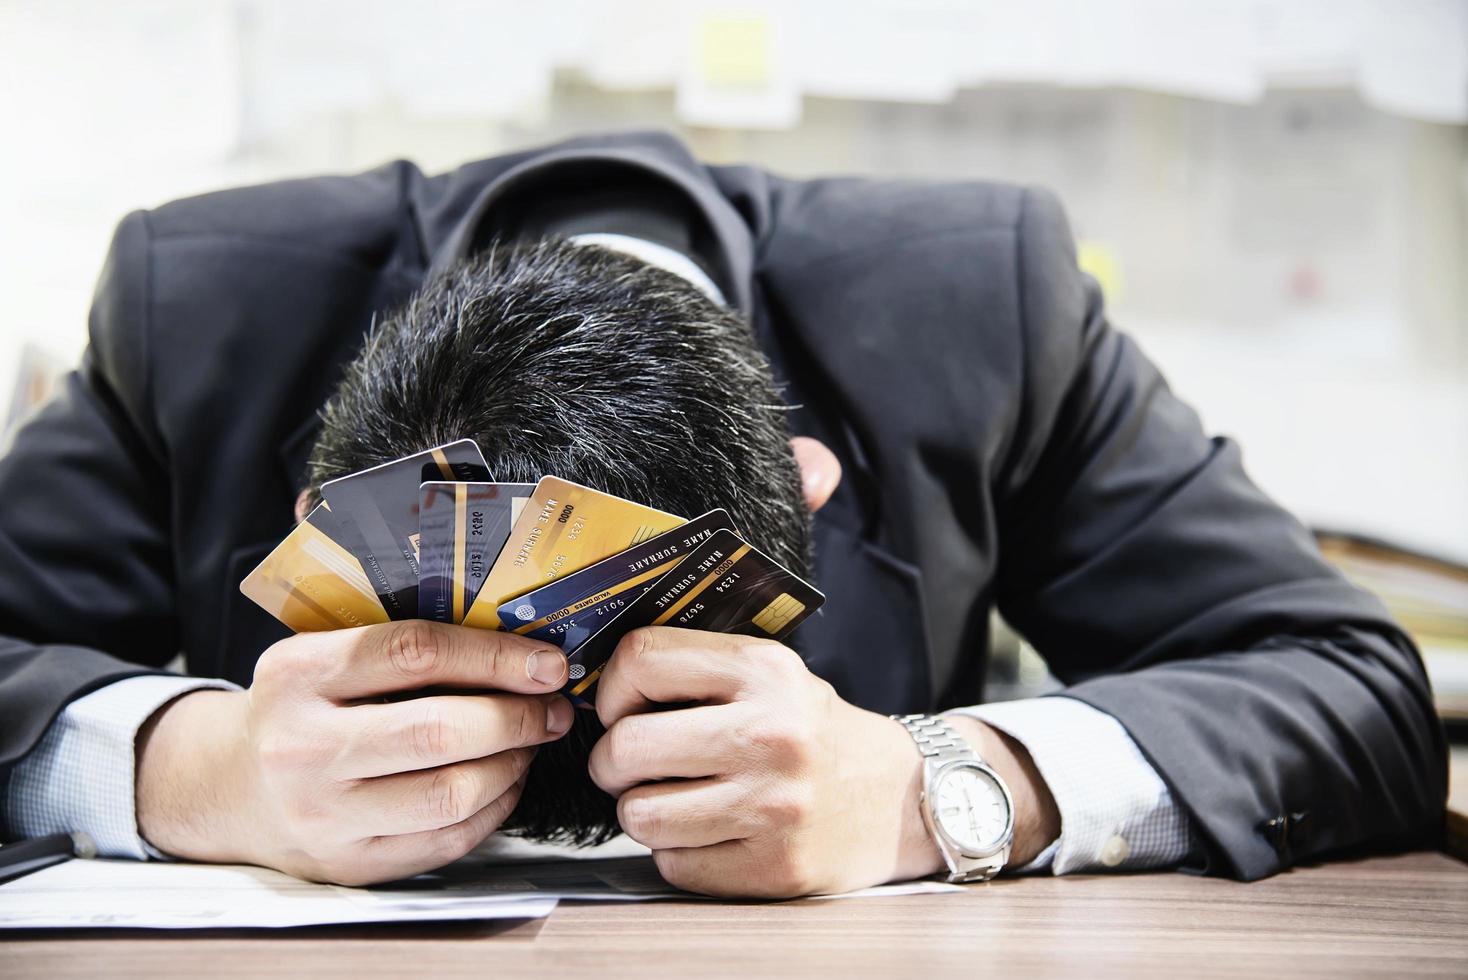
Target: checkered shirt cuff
<point>80,776</point>
<point>1116,813</point>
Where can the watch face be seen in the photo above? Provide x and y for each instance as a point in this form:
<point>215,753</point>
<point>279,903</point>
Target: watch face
<point>971,808</point>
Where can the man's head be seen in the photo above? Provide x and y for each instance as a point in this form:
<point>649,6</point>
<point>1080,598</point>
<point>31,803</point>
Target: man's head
<point>593,366</point>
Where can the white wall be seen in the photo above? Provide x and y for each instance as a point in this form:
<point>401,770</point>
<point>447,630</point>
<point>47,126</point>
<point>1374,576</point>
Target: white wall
<point>1274,192</point>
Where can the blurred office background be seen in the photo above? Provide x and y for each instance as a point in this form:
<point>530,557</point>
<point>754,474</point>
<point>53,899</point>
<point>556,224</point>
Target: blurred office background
<point>1274,193</point>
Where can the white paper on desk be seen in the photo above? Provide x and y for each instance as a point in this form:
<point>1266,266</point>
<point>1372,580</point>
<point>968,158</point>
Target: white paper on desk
<point>162,895</point>
<point>618,879</point>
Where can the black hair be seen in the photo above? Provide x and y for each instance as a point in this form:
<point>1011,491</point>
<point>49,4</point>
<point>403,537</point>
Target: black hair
<point>594,366</point>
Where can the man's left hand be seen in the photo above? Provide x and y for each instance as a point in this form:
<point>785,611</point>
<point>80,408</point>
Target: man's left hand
<point>749,776</point>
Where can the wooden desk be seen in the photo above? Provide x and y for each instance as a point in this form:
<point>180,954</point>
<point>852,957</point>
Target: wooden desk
<point>1397,916</point>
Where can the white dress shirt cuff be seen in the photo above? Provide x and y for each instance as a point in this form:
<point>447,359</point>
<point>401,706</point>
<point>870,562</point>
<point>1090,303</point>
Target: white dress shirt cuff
<point>81,775</point>
<point>1116,813</point>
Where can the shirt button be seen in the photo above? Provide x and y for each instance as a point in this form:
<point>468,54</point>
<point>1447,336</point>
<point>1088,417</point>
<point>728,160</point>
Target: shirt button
<point>1115,851</point>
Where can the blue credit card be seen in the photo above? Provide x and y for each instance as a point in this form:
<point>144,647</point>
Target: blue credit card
<point>575,606</point>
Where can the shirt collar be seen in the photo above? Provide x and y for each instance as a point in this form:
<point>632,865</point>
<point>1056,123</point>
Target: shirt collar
<point>661,256</point>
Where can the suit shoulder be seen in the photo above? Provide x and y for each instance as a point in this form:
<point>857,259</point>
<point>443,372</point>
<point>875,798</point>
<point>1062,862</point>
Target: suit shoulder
<point>838,215</point>
<point>965,290</point>
<point>354,215</point>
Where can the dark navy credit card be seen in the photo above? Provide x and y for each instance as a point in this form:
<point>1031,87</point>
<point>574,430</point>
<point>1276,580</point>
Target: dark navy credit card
<point>723,585</point>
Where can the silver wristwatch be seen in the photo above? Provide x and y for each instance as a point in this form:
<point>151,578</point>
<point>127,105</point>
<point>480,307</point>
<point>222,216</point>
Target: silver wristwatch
<point>966,806</point>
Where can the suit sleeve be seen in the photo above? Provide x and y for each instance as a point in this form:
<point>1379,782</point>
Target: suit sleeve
<point>86,587</point>
<point>1288,714</point>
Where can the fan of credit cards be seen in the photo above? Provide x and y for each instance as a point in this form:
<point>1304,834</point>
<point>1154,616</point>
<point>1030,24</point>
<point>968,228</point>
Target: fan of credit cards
<point>430,536</point>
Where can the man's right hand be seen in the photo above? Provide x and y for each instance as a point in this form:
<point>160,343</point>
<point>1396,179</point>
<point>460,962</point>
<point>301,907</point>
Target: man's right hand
<point>316,772</point>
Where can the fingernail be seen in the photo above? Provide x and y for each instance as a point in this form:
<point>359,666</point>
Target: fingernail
<point>546,666</point>
<point>558,716</point>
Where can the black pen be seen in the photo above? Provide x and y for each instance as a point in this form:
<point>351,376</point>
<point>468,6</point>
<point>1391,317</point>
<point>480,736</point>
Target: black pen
<point>25,856</point>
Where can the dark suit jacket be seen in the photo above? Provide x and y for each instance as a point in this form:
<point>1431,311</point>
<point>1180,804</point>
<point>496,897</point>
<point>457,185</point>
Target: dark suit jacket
<point>1002,445</point>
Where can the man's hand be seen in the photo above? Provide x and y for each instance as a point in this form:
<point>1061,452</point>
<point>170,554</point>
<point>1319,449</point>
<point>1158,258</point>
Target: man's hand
<point>748,776</point>
<point>317,772</point>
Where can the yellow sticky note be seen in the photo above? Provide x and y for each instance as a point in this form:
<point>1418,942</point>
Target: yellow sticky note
<point>1103,264</point>
<point>734,50</point>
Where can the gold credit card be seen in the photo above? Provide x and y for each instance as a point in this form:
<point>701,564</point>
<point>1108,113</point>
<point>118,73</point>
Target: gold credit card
<point>563,528</point>
<point>312,583</point>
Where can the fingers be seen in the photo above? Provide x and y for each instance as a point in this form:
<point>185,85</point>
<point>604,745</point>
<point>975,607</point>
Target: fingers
<point>410,854</point>
<point>414,654</point>
<point>684,814</point>
<point>698,869</point>
<point>432,799</point>
<point>424,733</point>
<point>742,869</point>
<point>663,665</point>
<point>666,745</point>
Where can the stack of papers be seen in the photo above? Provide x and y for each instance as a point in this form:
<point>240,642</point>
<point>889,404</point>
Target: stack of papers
<point>160,895</point>
<point>163,895</point>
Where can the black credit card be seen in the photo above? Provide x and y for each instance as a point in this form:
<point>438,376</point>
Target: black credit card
<point>723,585</point>
<point>383,503</point>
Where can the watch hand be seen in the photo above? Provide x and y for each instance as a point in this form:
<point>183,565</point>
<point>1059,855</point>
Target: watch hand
<point>972,819</point>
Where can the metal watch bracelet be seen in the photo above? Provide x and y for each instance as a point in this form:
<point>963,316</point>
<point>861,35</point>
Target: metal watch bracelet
<point>939,743</point>
<point>935,738</point>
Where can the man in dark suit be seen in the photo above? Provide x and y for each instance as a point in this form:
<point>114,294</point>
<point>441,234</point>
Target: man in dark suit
<point>921,367</point>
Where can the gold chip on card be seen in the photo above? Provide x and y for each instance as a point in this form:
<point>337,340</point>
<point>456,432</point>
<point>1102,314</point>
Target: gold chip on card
<point>781,610</point>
